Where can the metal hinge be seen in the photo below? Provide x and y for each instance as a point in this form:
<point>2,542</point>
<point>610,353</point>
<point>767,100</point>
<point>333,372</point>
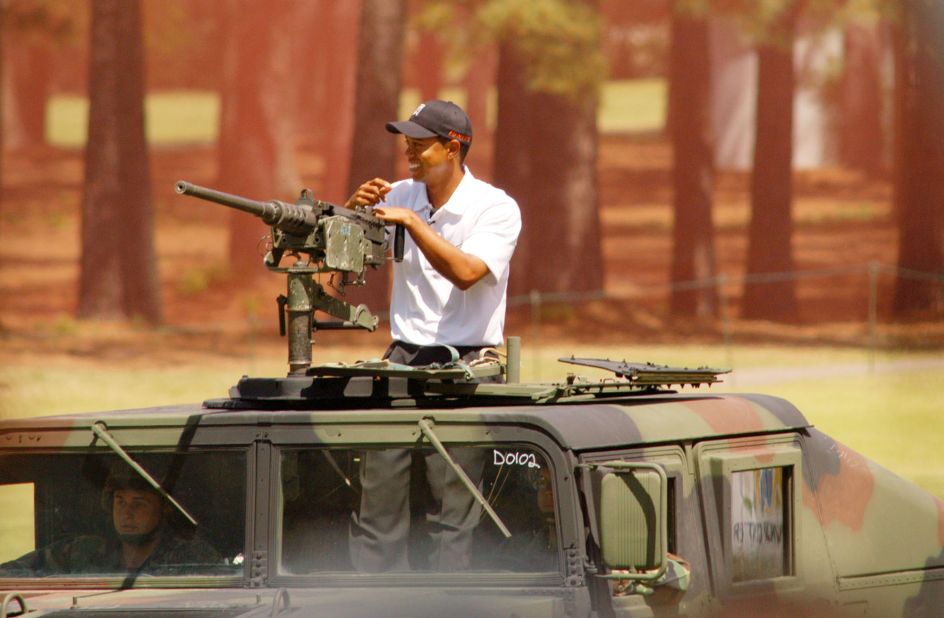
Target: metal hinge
<point>258,570</point>
<point>574,567</point>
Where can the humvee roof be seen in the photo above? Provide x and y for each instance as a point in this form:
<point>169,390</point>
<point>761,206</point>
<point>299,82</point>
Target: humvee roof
<point>649,419</point>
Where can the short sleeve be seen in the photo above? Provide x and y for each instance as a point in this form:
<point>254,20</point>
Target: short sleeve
<point>495,235</point>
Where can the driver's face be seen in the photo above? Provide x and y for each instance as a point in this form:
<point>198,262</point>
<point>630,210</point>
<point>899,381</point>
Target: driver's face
<point>135,511</point>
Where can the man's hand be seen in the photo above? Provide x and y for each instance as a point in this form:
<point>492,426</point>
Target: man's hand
<point>462,269</point>
<point>369,193</point>
<point>394,215</point>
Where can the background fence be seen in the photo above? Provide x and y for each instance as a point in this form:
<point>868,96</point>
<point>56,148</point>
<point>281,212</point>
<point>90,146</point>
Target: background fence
<point>878,279</point>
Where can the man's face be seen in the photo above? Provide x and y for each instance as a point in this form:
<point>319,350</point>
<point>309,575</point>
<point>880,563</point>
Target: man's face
<point>135,512</point>
<point>428,159</point>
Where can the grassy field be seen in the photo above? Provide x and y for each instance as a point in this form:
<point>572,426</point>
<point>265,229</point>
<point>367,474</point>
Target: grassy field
<point>186,117</point>
<point>171,118</point>
<point>889,412</point>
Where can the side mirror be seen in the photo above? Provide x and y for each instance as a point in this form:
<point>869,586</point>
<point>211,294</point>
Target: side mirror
<point>633,525</point>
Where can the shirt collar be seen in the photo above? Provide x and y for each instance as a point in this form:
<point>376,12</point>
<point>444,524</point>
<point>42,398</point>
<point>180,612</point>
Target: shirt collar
<point>457,201</point>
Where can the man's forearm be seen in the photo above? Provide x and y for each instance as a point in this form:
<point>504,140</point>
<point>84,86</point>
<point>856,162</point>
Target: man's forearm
<point>460,268</point>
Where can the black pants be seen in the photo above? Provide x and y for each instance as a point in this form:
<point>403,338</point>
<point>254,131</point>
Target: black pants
<point>380,529</point>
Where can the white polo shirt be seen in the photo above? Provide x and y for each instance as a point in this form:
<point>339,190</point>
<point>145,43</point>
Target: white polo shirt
<point>425,307</point>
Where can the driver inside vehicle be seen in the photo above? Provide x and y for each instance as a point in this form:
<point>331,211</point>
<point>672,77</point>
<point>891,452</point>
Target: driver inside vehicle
<point>144,539</point>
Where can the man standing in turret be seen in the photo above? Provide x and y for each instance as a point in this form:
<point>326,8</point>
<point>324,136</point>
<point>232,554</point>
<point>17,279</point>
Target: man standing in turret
<point>449,290</point>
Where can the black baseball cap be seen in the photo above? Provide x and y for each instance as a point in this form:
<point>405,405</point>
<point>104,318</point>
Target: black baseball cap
<point>436,119</point>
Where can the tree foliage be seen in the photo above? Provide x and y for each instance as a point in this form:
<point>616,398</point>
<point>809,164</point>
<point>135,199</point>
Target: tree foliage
<point>33,30</point>
<point>43,21</point>
<point>559,40</point>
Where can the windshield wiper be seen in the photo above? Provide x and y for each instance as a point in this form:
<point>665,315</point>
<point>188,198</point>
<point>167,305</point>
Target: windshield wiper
<point>101,432</point>
<point>427,429</point>
<point>334,466</point>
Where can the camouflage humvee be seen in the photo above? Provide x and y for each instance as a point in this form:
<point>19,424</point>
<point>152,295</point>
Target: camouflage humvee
<point>611,498</point>
<point>374,489</point>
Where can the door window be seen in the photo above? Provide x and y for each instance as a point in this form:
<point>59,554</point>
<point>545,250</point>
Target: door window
<point>88,513</point>
<point>380,510</point>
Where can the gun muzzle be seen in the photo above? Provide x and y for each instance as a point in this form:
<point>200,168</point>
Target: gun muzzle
<point>291,218</point>
<point>253,207</point>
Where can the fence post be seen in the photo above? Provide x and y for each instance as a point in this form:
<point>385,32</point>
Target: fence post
<point>726,334</point>
<point>874,269</point>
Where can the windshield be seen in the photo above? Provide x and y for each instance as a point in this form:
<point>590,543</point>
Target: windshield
<point>77,514</point>
<point>405,509</point>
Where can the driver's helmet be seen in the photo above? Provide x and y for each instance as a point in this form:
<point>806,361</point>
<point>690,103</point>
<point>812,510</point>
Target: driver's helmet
<point>123,476</point>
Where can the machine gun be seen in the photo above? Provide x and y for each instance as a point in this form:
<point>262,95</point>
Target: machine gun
<point>322,238</point>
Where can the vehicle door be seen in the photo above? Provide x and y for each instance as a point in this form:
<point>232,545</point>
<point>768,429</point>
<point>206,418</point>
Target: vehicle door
<point>524,551</point>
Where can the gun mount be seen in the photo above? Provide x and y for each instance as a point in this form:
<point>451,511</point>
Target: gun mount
<point>316,237</point>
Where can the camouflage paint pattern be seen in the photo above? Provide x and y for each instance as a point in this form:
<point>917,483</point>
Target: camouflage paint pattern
<point>861,541</point>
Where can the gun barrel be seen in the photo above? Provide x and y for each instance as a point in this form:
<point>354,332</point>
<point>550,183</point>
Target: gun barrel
<point>260,209</point>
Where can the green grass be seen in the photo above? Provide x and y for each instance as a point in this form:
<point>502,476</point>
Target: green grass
<point>893,418</point>
<point>171,118</point>
<point>631,106</point>
<point>16,521</point>
<point>35,391</point>
<point>541,363</point>
<point>182,117</point>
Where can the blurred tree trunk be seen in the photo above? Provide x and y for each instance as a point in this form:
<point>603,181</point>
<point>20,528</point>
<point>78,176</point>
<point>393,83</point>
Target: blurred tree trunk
<point>315,96</point>
<point>428,65</point>
<point>693,247</point>
<point>478,81</point>
<point>512,165</point>
<point>310,67</point>
<point>862,143</point>
<point>334,112</point>
<point>377,94</point>
<point>771,227</point>
<point>3,94</point>
<point>920,164</point>
<point>545,158</point>
<point>118,268</point>
<point>30,69</point>
<point>257,138</point>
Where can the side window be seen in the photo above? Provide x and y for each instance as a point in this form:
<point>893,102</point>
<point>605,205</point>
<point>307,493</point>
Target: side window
<point>751,503</point>
<point>760,523</point>
<point>17,527</point>
<point>80,514</point>
<point>375,510</point>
